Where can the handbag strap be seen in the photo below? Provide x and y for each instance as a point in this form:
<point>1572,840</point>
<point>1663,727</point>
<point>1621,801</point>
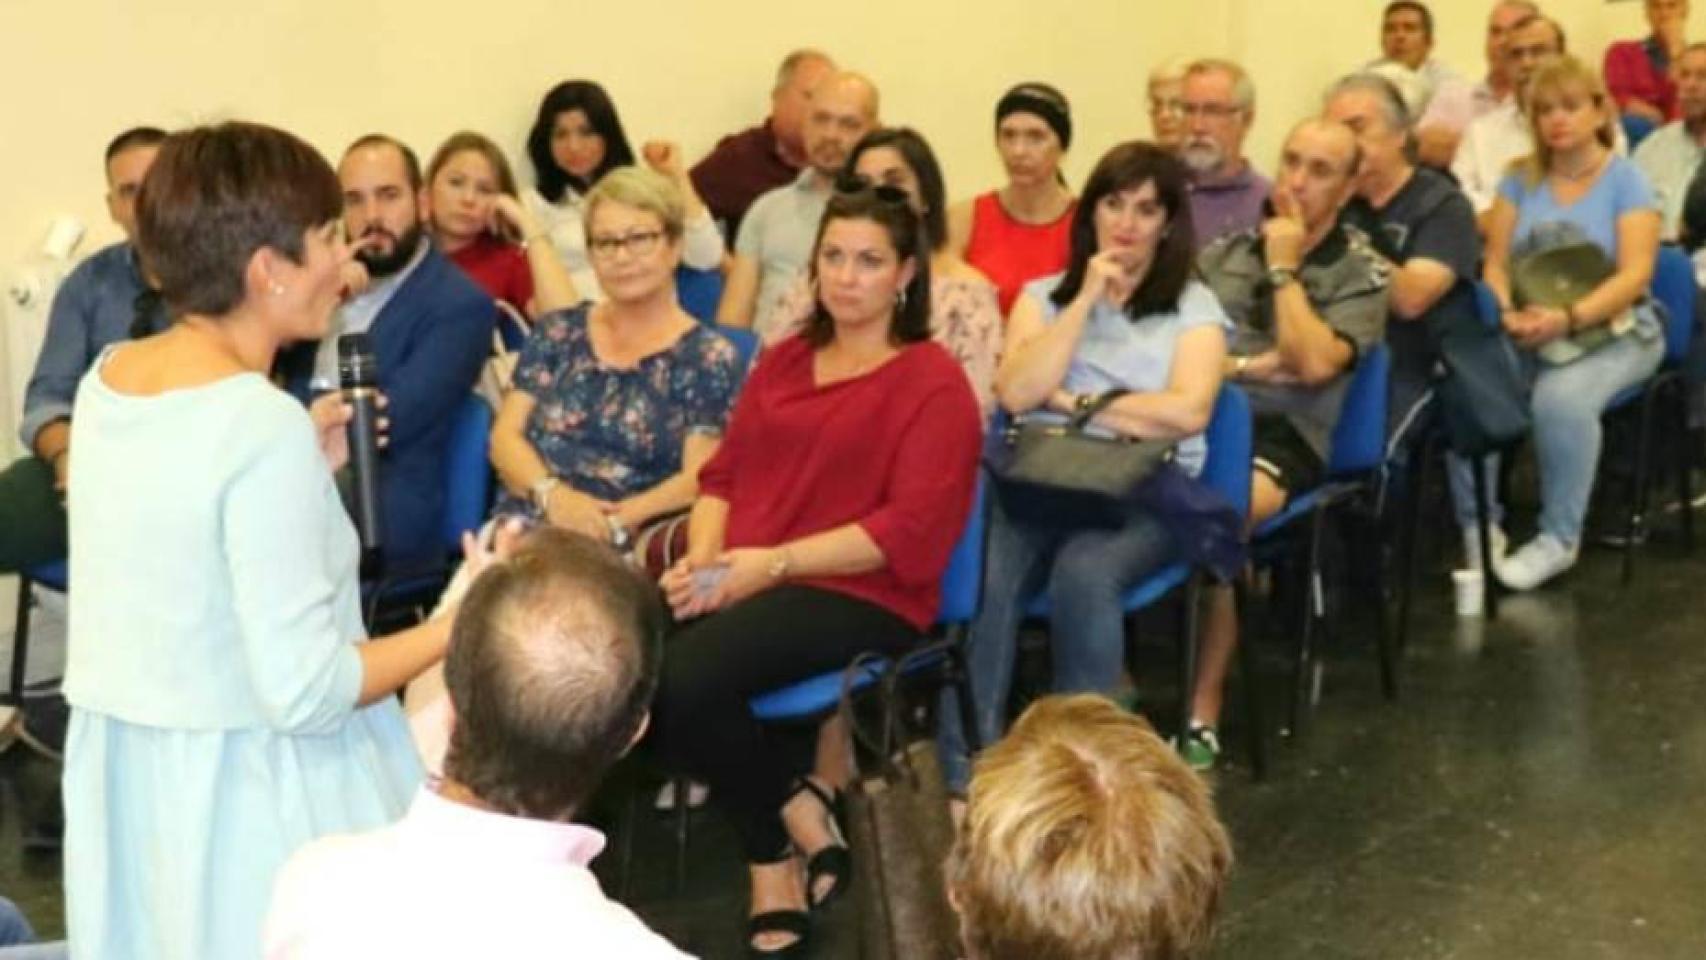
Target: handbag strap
<point>1104,400</point>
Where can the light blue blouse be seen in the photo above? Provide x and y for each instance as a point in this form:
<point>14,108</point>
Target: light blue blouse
<point>212,669</point>
<point>1117,352</point>
<point>1620,189</point>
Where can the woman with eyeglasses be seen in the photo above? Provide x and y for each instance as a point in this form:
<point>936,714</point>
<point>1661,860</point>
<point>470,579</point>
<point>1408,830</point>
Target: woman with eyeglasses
<point>616,405</point>
<point>965,316</point>
<point>1018,233</point>
<point>1126,315</point>
<point>823,525</point>
<point>576,139</point>
<point>479,222</point>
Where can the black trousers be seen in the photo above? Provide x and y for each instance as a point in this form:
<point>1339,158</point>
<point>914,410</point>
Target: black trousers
<point>714,665</point>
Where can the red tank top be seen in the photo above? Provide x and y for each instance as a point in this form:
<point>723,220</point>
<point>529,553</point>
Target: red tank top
<point>1011,253</point>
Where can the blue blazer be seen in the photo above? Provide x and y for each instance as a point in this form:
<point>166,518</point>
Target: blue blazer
<point>430,342</point>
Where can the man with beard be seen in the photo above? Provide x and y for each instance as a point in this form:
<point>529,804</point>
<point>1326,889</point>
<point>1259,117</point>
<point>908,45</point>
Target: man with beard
<point>776,236</point>
<point>1226,193</point>
<point>431,330</point>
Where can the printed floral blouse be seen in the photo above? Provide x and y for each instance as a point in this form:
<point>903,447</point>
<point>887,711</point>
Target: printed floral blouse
<point>611,432</point>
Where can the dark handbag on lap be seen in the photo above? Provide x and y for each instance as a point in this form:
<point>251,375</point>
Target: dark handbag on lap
<point>1483,399</point>
<point>899,830</point>
<point>1060,474</point>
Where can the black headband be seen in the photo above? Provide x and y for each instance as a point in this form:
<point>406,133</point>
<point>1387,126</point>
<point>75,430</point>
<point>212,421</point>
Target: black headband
<point>1042,100</point>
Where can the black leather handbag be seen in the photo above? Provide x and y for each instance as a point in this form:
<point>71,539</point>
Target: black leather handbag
<point>1062,475</point>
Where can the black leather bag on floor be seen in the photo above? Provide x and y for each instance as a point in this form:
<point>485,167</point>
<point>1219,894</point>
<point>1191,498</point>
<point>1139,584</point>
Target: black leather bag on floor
<point>899,830</point>
<point>1062,475</point>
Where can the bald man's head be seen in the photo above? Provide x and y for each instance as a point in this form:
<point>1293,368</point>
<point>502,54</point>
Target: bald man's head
<point>844,108</point>
<point>1317,170</point>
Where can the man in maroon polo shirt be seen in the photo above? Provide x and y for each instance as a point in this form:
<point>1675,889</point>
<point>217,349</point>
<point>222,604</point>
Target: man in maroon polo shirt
<point>749,163</point>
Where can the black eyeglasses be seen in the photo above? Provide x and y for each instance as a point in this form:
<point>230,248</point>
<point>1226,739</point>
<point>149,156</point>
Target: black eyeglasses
<point>851,184</point>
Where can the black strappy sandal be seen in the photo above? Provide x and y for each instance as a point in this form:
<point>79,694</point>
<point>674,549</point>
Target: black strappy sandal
<point>835,860</point>
<point>796,922</point>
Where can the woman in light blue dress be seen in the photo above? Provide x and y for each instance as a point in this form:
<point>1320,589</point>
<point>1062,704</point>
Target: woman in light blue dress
<point>226,708</point>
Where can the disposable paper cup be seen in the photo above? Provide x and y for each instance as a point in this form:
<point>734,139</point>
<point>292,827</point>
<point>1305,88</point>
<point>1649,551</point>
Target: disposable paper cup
<point>1471,592</point>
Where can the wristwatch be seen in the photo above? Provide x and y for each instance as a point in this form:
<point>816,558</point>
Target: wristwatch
<point>619,536</point>
<point>1280,276</point>
<point>778,569</point>
<point>540,492</point>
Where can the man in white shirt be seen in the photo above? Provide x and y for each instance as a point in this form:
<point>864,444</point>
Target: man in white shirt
<point>553,661</point>
<point>1497,88</point>
<point>1670,156</point>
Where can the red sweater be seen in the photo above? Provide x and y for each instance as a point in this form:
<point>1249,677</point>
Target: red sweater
<point>499,267</point>
<point>1631,74</point>
<point>895,450</point>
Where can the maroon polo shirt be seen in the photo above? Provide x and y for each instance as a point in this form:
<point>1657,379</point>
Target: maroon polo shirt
<point>737,170</point>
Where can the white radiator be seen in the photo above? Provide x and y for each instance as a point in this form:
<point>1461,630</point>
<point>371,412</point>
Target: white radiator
<point>24,300</point>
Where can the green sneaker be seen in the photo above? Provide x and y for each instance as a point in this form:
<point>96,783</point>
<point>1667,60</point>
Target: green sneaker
<point>1201,747</point>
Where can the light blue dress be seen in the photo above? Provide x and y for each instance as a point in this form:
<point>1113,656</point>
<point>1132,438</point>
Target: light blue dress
<point>212,669</point>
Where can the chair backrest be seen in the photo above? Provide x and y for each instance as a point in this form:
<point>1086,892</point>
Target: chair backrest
<point>1226,469</point>
<point>1487,306</point>
<point>745,343</point>
<point>962,582</point>
<point>1673,286</point>
<point>698,292</point>
<point>468,470</point>
<point>1358,443</point>
<point>1636,129</point>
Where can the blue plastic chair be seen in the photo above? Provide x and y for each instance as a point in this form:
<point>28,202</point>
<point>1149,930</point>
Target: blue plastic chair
<point>1355,463</point>
<point>1673,286</point>
<point>1637,129</point>
<point>745,343</point>
<point>698,292</point>
<point>467,499</point>
<point>1226,470</point>
<point>54,576</point>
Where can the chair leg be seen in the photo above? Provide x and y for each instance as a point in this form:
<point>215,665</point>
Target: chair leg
<point>1303,677</point>
<point>1188,648</point>
<point>1491,587</point>
<point>1684,468</point>
<point>1636,520</point>
<point>1255,732</point>
<point>20,642</point>
<point>1410,534</point>
<point>683,827</point>
<point>1383,639</point>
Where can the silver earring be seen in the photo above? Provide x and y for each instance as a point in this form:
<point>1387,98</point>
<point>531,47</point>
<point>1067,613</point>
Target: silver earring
<point>278,289</point>
<point>900,299</point>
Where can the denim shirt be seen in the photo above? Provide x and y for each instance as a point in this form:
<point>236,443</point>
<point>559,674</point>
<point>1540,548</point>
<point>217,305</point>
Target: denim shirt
<point>93,309</point>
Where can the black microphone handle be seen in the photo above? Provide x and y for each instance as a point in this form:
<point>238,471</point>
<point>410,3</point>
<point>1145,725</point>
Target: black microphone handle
<point>363,432</point>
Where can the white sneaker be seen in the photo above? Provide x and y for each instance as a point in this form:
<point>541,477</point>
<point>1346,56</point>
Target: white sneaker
<point>1472,546</point>
<point>1538,561</point>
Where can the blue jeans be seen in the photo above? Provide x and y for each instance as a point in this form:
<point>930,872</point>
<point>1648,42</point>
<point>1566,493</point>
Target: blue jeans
<point>1567,404</point>
<point>1087,574</point>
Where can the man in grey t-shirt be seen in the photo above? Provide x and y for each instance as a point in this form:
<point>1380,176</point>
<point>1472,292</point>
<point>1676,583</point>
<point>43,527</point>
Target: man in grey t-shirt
<point>777,233</point>
<point>1306,298</point>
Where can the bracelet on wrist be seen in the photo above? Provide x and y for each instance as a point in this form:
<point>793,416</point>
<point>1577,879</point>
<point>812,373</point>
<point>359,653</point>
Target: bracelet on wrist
<point>540,492</point>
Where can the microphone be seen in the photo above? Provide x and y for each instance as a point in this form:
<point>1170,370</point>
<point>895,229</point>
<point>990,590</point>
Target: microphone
<point>358,375</point>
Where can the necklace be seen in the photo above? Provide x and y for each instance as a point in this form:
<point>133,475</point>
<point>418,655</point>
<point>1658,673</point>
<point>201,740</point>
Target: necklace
<point>1588,171</point>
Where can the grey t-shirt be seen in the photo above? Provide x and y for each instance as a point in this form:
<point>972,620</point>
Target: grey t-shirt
<point>1345,284</point>
<point>777,233</point>
<point>1116,352</point>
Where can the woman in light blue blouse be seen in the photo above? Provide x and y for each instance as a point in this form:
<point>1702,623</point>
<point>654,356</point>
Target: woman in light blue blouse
<point>1126,315</point>
<point>1572,190</point>
<point>225,709</point>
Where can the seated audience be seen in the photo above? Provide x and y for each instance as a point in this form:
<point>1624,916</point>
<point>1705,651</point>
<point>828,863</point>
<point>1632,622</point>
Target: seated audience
<point>1085,837</point>
<point>1166,102</point>
<point>744,165</point>
<point>822,528</point>
<point>478,222</point>
<point>1497,86</point>
<point>576,139</point>
<point>964,316</point>
<point>104,301</point>
<point>1306,298</point>
<point>1019,232</point>
<point>1573,190</point>
<point>1639,72</point>
<point>431,329</point>
<point>1420,224</point>
<point>1671,155</point>
<point>616,405</point>
<point>227,707</point>
<point>1407,38</point>
<point>1227,194</point>
<point>552,664</point>
<point>775,241</point>
<point>1126,315</point>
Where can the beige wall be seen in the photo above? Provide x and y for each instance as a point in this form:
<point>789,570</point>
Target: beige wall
<point>77,71</point>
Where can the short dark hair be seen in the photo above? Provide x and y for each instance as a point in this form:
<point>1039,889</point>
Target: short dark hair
<point>911,320</point>
<point>1534,18</point>
<point>915,150</point>
<point>553,661</point>
<point>590,99</point>
<point>133,138</point>
<point>411,162</point>
<point>1416,7</point>
<point>214,196</point>
<point>1125,167</point>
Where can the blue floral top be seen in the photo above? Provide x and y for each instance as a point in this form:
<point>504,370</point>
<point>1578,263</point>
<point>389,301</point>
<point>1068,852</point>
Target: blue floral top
<point>612,432</point>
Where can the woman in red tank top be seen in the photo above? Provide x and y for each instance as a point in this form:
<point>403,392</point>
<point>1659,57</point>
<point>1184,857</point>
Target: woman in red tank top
<point>1019,233</point>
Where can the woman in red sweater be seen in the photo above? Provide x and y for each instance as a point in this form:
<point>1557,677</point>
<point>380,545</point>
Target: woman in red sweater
<point>823,524</point>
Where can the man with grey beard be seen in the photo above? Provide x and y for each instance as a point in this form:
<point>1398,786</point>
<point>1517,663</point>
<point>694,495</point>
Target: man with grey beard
<point>1227,195</point>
